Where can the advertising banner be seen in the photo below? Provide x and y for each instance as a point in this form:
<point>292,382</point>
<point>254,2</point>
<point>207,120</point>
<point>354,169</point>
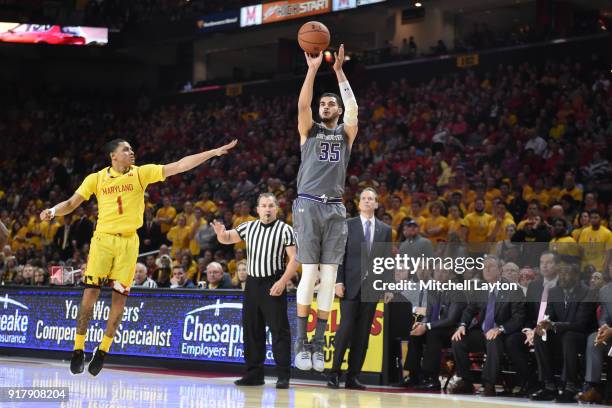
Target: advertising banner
<point>250,15</point>
<point>343,5</point>
<point>290,9</point>
<point>163,324</point>
<point>218,21</point>
<point>52,34</point>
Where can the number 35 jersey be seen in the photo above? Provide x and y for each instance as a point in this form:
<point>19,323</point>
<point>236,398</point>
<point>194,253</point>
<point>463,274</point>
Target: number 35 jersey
<point>325,157</point>
<point>120,196</point>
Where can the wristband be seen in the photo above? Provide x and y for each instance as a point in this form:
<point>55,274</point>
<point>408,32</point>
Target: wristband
<point>52,209</point>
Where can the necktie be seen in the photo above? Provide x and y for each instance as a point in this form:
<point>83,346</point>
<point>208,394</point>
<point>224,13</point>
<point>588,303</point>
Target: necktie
<point>435,312</point>
<point>489,320</point>
<point>368,234</point>
<point>421,294</point>
<point>544,302</point>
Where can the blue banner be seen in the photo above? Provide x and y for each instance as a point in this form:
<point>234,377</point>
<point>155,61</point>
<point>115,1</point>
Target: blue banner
<point>198,325</point>
<point>218,21</point>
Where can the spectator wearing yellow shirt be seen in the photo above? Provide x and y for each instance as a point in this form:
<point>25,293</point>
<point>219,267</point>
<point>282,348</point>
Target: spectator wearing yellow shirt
<point>436,226</point>
<point>596,242</point>
<point>583,220</point>
<point>533,211</point>
<point>189,265</point>
<point>384,195</point>
<point>206,204</point>
<point>418,212</point>
<point>188,213</point>
<point>537,193</point>
<point>455,219</point>
<point>18,236</point>
<point>492,191</point>
<point>386,218</point>
<point>239,255</point>
<point>570,188</point>
<point>557,130</point>
<point>456,200</point>
<point>504,193</point>
<point>397,211</point>
<point>480,194</point>
<point>497,226</point>
<point>165,215</point>
<point>562,243</point>
<point>245,216</point>
<point>476,224</point>
<point>179,236</point>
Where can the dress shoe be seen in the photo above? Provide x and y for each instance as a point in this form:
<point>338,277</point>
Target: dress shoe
<point>567,397</point>
<point>462,387</point>
<point>489,391</point>
<point>429,385</point>
<point>247,381</point>
<point>333,381</point>
<point>407,382</point>
<point>544,394</point>
<point>523,392</point>
<point>282,383</point>
<point>590,396</point>
<point>354,384</point>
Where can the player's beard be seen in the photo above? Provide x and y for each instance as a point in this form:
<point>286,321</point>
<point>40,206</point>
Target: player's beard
<point>331,120</point>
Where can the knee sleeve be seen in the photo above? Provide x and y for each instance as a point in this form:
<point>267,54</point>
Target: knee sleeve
<point>325,297</point>
<point>305,290</point>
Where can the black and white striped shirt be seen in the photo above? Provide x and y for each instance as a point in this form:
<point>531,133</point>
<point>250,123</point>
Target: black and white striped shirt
<point>266,245</point>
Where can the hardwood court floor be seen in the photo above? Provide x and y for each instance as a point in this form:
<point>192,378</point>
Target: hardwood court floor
<point>124,387</point>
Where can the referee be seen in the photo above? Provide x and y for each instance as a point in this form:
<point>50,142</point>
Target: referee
<point>265,295</point>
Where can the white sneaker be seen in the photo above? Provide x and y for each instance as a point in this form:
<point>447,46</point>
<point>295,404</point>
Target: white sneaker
<point>303,355</point>
<point>318,356</point>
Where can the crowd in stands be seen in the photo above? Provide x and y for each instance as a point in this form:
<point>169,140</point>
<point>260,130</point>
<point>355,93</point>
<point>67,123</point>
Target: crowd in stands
<point>501,157</point>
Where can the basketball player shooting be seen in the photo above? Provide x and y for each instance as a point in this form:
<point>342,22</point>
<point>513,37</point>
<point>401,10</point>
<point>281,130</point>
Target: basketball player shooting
<point>113,251</point>
<point>319,216</point>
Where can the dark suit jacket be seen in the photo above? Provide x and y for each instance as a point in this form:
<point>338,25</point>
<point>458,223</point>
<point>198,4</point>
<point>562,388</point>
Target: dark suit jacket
<point>451,309</point>
<point>605,302</point>
<point>58,240</point>
<point>577,315</point>
<point>356,265</point>
<point>534,297</point>
<point>83,231</point>
<point>509,311</point>
<point>153,233</point>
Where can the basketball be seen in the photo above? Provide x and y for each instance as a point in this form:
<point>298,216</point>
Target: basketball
<point>313,37</point>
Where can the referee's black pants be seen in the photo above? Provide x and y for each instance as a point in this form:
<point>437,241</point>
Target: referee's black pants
<point>261,309</point>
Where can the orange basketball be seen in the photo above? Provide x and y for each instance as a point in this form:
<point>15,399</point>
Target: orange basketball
<point>313,37</point>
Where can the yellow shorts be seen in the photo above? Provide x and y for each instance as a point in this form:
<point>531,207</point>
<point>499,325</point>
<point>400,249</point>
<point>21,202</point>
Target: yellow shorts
<point>112,260</point>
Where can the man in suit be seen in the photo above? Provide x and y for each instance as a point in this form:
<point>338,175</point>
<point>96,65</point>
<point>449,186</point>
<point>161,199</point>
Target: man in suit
<point>406,306</point>
<point>83,228</point>
<point>64,237</point>
<point>500,319</point>
<point>444,309</point>
<point>599,346</point>
<point>535,308</point>
<point>354,288</point>
<point>149,234</point>
<point>561,335</point>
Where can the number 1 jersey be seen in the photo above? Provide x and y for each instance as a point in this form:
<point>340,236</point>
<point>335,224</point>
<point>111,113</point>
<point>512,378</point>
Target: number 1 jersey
<point>120,196</point>
<point>325,157</point>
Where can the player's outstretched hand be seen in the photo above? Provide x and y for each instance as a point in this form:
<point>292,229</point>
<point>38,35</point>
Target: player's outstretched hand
<point>314,61</point>
<point>339,58</point>
<point>218,227</point>
<point>46,215</point>
<point>220,151</point>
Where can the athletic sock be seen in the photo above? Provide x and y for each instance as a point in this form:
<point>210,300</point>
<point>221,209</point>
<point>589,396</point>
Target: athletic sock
<point>301,328</point>
<point>106,343</point>
<point>320,330</point>
<point>79,342</point>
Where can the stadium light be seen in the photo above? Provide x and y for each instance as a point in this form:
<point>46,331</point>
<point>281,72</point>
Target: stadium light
<point>417,4</point>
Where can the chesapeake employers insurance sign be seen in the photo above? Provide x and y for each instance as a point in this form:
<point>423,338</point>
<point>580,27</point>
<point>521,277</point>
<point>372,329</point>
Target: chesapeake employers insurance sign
<point>199,326</point>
